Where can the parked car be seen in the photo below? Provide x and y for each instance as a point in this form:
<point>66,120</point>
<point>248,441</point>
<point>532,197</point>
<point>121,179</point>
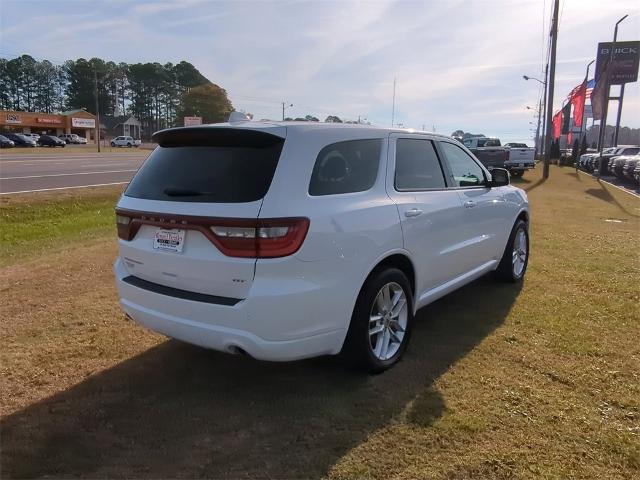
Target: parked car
<point>70,138</point>
<point>616,164</point>
<point>32,136</point>
<point>6,142</point>
<point>82,140</point>
<point>292,240</point>
<point>51,141</point>
<point>629,167</point>
<point>624,150</point>
<point>636,173</point>
<point>125,141</point>
<point>520,159</point>
<point>20,140</point>
<point>488,150</point>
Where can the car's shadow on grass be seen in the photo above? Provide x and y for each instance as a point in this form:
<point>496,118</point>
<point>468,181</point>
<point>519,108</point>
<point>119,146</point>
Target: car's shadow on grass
<point>181,411</point>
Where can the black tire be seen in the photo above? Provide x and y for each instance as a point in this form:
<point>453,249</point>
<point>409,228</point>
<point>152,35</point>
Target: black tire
<point>357,348</point>
<point>129,145</point>
<point>113,144</point>
<point>506,271</point>
<point>516,173</point>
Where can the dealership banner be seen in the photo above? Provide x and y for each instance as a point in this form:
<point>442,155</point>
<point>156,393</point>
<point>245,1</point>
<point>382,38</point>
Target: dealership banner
<point>626,58</point>
<point>83,122</point>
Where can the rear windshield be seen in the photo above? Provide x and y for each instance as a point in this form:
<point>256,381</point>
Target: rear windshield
<point>211,169</point>
<point>489,142</point>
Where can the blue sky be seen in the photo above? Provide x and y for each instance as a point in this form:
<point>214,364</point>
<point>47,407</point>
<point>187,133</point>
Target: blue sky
<point>458,64</point>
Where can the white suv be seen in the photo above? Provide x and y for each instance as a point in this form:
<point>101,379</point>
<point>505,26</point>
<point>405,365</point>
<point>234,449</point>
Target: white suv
<point>292,240</point>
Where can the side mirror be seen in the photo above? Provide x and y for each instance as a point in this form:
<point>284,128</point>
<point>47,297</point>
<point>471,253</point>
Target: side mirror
<point>499,177</point>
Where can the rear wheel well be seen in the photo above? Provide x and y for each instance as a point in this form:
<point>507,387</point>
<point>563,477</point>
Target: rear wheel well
<point>523,216</point>
<point>402,263</point>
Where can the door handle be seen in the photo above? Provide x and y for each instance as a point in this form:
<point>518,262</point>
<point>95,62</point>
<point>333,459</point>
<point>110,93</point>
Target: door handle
<point>469,204</point>
<point>414,212</point>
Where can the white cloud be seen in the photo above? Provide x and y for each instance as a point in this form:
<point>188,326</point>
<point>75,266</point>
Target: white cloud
<point>459,64</point>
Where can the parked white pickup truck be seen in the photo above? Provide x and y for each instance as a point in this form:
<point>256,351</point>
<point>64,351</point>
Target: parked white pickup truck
<point>125,141</point>
<point>521,158</point>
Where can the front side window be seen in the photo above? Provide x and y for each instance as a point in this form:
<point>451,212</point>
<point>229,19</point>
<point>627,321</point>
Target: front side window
<point>346,167</point>
<point>417,165</point>
<point>465,172</point>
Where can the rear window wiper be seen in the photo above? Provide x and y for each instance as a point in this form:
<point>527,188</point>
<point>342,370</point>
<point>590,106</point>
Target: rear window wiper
<point>184,192</point>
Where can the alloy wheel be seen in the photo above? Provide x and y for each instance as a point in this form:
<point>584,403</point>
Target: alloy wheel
<point>519,256</point>
<point>388,321</point>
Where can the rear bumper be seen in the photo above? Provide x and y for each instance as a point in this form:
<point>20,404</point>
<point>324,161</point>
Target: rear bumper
<point>519,165</point>
<point>231,328</point>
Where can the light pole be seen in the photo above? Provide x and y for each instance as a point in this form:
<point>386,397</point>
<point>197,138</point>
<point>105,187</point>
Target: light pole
<point>539,112</point>
<point>543,103</point>
<point>607,85</point>
<point>95,92</point>
<point>285,106</point>
<point>621,95</point>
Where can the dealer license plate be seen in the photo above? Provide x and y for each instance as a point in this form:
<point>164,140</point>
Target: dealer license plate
<point>169,240</point>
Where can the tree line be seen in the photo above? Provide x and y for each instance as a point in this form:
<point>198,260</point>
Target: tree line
<point>159,95</point>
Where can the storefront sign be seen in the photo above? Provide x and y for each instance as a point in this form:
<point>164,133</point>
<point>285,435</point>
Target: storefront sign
<point>83,122</point>
<point>13,118</point>
<point>626,58</point>
<point>56,121</point>
<point>191,121</point>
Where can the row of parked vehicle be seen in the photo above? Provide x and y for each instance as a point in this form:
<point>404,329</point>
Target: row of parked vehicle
<point>10,140</point>
<point>622,162</point>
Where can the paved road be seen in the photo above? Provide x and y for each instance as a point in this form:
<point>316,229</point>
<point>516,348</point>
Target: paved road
<point>27,172</point>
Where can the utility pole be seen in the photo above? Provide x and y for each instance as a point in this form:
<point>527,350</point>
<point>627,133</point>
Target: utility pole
<point>95,92</point>
<point>393,104</point>
<point>544,110</point>
<point>538,140</point>
<point>550,82</point>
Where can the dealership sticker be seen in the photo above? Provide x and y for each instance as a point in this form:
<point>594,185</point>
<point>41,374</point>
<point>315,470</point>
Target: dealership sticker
<point>169,240</point>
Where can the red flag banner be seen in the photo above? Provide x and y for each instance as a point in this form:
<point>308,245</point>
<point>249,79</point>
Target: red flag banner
<point>569,139</point>
<point>557,124</point>
<point>578,97</point>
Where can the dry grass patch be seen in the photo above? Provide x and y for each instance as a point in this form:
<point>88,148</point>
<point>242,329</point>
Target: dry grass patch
<point>498,382</point>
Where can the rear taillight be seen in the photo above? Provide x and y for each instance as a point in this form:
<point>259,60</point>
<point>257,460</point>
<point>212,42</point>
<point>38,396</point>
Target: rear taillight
<point>269,238</point>
<point>234,237</point>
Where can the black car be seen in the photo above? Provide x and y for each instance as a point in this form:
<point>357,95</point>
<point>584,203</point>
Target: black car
<point>20,140</point>
<point>6,143</point>
<point>51,141</point>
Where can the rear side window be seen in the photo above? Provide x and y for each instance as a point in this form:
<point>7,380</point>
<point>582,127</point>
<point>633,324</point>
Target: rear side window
<point>417,165</point>
<point>211,167</point>
<point>346,167</point>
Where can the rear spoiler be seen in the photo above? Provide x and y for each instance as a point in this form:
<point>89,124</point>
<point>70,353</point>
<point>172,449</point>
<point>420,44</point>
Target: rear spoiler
<point>204,136</point>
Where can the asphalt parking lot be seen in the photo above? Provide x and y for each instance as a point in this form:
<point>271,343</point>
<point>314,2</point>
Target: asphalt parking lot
<point>42,171</point>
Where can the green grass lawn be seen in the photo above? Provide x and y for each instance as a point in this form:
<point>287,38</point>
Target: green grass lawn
<point>32,225</point>
<point>499,382</point>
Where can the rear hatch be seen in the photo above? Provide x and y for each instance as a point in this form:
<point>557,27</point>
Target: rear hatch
<point>181,214</point>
